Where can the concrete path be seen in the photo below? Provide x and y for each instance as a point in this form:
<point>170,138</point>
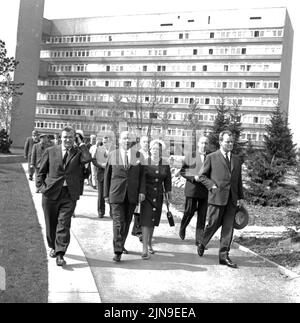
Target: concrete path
<point>175,273</point>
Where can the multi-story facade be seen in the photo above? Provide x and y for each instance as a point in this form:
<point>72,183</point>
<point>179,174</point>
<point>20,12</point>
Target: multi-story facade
<point>160,65</point>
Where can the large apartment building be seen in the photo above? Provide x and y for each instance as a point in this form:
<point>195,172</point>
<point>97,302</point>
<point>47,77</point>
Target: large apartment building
<point>154,67</point>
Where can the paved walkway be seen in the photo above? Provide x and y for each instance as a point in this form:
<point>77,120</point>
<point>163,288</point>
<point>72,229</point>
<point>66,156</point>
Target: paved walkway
<point>175,273</point>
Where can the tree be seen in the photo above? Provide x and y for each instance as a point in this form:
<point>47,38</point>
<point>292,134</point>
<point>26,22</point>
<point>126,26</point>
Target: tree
<point>191,120</point>
<point>117,115</point>
<point>235,126</point>
<point>9,90</point>
<point>221,123</point>
<point>278,142</point>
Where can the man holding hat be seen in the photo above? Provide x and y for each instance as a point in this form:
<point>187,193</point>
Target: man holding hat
<point>37,153</point>
<point>30,141</point>
<point>221,174</point>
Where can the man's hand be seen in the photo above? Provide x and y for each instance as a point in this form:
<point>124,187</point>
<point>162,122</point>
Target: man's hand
<point>141,197</point>
<point>196,178</point>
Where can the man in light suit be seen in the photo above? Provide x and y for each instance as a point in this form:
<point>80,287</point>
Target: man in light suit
<point>195,192</point>
<point>124,188</point>
<point>221,174</point>
<point>99,160</point>
<point>59,181</point>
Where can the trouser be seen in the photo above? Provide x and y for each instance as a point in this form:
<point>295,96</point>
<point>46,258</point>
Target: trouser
<point>30,169</point>
<point>58,214</point>
<point>101,201</point>
<point>220,216</point>
<point>122,216</point>
<point>191,206</point>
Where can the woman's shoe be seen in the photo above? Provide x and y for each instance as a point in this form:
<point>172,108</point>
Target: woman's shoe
<point>151,250</point>
<point>145,256</point>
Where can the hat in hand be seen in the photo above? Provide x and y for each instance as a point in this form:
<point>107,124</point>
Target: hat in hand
<point>241,218</point>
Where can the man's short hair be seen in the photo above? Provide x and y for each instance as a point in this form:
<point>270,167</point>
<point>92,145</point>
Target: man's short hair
<point>68,129</point>
<point>225,132</point>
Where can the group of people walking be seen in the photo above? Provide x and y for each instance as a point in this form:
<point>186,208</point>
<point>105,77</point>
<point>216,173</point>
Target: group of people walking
<point>134,182</point>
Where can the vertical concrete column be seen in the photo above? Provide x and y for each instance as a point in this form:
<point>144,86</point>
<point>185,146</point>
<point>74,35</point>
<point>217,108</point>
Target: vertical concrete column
<point>29,38</point>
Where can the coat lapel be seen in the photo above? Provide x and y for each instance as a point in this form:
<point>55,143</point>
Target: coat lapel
<point>223,161</point>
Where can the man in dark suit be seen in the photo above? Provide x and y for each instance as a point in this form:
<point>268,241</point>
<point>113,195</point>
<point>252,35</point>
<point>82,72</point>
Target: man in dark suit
<point>37,152</point>
<point>221,174</point>
<point>124,188</point>
<point>59,181</point>
<point>195,192</point>
<point>30,141</point>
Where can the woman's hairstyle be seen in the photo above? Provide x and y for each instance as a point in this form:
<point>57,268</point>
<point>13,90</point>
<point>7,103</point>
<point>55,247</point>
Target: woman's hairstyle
<point>161,144</point>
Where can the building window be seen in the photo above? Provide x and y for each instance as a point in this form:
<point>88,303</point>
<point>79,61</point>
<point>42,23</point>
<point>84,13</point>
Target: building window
<point>225,68</point>
<point>243,51</point>
<point>106,83</point>
<point>276,85</point>
<point>162,84</point>
<point>145,68</point>
<point>248,68</point>
<point>180,36</point>
<point>204,68</point>
<point>195,51</point>
<point>177,84</point>
<point>127,83</point>
<point>212,35</point>
<point>192,84</point>
<point>256,33</point>
<point>206,100</point>
<point>107,68</point>
<point>255,119</point>
<point>194,68</point>
<point>224,85</point>
<point>210,51</point>
<point>175,100</point>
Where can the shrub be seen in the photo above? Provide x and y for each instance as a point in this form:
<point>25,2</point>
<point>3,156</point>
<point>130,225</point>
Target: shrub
<point>263,195</point>
<point>5,142</point>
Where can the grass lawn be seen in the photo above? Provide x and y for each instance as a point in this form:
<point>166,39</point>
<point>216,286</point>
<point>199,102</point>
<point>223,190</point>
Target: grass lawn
<point>22,251</point>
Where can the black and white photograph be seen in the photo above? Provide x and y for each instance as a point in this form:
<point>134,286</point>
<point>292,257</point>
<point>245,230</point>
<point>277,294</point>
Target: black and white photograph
<point>149,154</point>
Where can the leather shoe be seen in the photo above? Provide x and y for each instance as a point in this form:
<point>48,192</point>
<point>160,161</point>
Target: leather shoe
<point>117,257</point>
<point>60,261</point>
<point>227,262</point>
<point>200,250</point>
<point>182,234</point>
<point>52,253</point>
<point>125,251</point>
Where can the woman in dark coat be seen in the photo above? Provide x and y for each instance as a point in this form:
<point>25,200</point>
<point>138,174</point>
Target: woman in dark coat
<point>158,180</point>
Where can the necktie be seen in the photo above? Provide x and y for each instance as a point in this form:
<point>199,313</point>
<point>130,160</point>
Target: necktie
<point>227,160</point>
<point>65,157</point>
<point>126,159</point>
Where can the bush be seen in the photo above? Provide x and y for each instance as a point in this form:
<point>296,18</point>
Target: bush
<point>259,194</point>
<point>5,142</point>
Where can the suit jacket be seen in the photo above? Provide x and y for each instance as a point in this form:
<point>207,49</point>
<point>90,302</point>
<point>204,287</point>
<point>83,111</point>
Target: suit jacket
<point>28,148</point>
<point>52,173</point>
<point>37,152</point>
<point>191,167</point>
<point>99,157</point>
<point>215,171</point>
<point>119,181</point>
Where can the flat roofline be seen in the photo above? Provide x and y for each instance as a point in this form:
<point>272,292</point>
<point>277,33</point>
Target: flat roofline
<point>168,13</point>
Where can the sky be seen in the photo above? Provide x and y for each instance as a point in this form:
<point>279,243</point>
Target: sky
<point>55,9</point>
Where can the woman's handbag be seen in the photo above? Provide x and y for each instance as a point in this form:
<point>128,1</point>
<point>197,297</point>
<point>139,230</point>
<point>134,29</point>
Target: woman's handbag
<point>169,213</point>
